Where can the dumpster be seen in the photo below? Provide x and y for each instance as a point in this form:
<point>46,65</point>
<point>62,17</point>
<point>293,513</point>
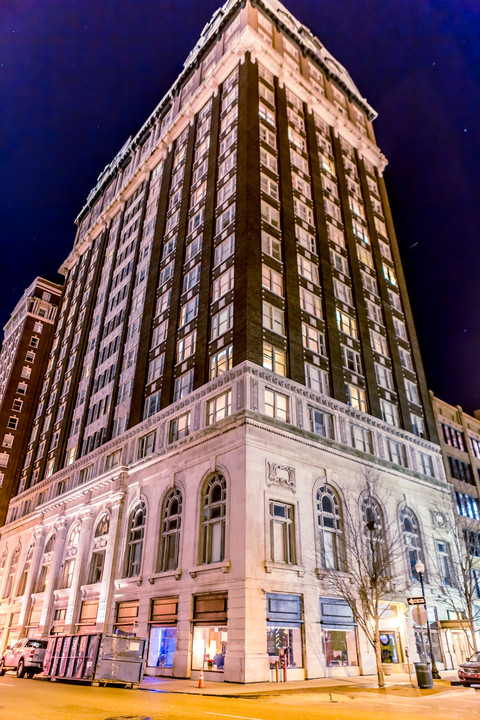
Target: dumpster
<point>424,675</point>
<point>95,658</point>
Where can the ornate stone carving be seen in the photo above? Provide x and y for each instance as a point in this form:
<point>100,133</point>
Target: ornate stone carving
<point>254,394</point>
<point>299,413</point>
<point>282,475</point>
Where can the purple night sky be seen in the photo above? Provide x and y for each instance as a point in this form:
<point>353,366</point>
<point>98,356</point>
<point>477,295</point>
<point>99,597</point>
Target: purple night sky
<point>78,77</point>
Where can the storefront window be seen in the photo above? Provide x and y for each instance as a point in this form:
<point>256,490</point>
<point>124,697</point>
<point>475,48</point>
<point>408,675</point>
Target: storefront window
<point>209,648</point>
<point>286,640</point>
<point>163,642</point>
<point>340,648</point>
<point>390,648</point>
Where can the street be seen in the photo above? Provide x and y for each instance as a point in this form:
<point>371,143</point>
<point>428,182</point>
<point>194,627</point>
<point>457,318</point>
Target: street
<point>42,700</point>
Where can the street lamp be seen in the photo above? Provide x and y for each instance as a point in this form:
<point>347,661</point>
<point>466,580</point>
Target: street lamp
<point>420,568</point>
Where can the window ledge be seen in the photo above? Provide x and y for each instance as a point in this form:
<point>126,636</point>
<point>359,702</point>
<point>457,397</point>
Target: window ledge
<point>125,582</point>
<point>322,573</point>
<point>177,574</point>
<point>269,566</point>
<point>224,566</point>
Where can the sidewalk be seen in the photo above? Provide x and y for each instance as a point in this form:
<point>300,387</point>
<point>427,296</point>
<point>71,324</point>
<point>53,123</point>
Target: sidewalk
<point>399,685</point>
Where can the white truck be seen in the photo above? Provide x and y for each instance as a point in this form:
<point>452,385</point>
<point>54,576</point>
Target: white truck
<point>25,657</point>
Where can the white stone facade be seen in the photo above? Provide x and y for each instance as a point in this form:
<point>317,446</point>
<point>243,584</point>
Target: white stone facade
<point>263,460</point>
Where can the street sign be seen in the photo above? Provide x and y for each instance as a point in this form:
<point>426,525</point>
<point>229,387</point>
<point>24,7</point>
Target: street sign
<point>419,615</point>
<point>416,601</point>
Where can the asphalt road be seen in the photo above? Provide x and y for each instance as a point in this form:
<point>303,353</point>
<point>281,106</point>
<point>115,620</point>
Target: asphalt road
<point>42,700</point>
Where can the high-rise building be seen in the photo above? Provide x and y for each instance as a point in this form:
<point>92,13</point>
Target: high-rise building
<point>234,348</point>
<point>23,357</point>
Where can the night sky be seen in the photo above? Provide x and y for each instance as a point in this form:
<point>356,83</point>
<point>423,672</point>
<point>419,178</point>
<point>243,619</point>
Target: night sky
<point>78,77</point>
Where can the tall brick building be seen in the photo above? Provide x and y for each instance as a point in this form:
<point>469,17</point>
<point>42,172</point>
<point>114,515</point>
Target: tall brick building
<point>234,347</point>
<point>23,358</point>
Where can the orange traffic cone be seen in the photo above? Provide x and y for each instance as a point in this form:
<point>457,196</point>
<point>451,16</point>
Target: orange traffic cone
<point>201,681</point>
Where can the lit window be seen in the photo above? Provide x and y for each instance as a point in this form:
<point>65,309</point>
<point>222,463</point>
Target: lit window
<point>317,379</point>
<point>183,385</point>
<point>346,323</point>
<point>186,346</point>
<point>274,359</point>
<point>221,322</point>
<point>221,362</point>
<point>356,397</point>
<point>146,445</point>
<point>276,405</point>
<point>219,407</point>
<point>389,412</point>
<point>273,318</point>
<point>180,427</point>
<point>222,284</point>
<point>313,339</point>
<point>272,280</point>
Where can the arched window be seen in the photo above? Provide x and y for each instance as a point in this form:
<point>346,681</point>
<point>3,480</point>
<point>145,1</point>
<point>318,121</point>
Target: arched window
<point>22,583</point>
<point>136,534</point>
<point>170,531</point>
<point>214,503</point>
<point>412,541</point>
<point>11,572</point>
<point>99,547</point>
<point>66,577</point>
<point>103,526</point>
<point>45,569</point>
<point>374,533</point>
<point>330,530</point>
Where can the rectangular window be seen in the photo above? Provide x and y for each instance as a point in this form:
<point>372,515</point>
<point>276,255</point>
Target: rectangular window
<point>389,274</point>
<point>186,346</point>
<point>397,453</point>
<point>22,388</point>
<point>282,538</point>
<point>180,427</point>
<point>271,246</point>
<point>222,284</point>
<point>303,211</point>
<point>307,269</point>
<point>389,412</point>
<point>224,250</point>
<point>352,360</point>
<point>313,339</point>
<point>269,160</point>
<point>305,239</point>
<point>384,377</point>
<point>276,405</point>
<point>310,303</point>
<point>426,464</point>
<point>356,397</point>
<point>346,323</point>
<point>272,280</point>
<point>146,445</point>
<point>412,392</point>
<point>379,342</point>
<point>274,359</point>
<point>273,318</point>
<point>219,407</point>
<point>17,405</point>
<point>317,379</point>
<point>269,186</point>
<point>183,385</point>
<point>270,214</point>
<point>321,423</point>
<point>12,423</point>
<point>191,278</point>
<point>221,362</point>
<point>343,292</point>
<point>418,425</point>
<point>188,312</point>
<point>361,439</point>
<point>339,262</point>
<point>225,219</point>
<point>221,322</point>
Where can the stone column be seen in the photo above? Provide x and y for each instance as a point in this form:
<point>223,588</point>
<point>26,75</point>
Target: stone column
<point>111,552</point>
<point>39,542</point>
<point>81,563</point>
<point>56,562</point>
<point>182,658</point>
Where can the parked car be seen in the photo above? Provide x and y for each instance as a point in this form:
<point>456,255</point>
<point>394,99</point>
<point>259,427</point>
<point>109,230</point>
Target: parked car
<point>469,671</point>
<point>26,657</point>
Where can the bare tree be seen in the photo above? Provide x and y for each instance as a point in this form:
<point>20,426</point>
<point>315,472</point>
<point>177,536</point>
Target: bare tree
<point>373,547</point>
<point>454,567</point>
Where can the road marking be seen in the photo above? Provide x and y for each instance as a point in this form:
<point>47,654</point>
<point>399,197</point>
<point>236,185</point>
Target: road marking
<point>8,684</point>
<point>242,717</point>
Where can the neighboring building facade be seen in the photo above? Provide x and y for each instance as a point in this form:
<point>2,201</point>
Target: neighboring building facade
<point>459,435</point>
<point>234,351</point>
<point>23,357</point>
